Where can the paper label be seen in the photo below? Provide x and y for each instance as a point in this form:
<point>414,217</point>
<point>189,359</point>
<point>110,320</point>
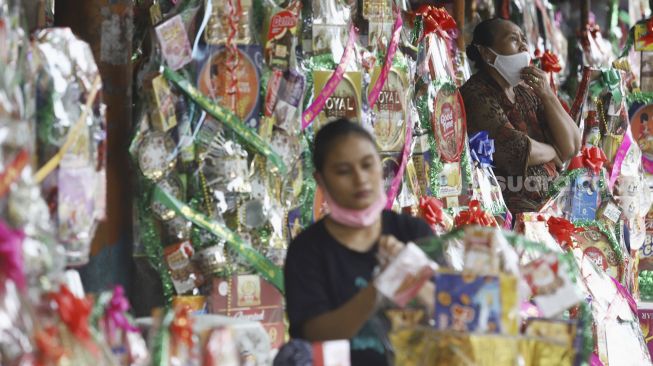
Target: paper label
<point>344,102</point>
<point>612,212</point>
<point>390,109</point>
<point>374,9</point>
<point>219,26</point>
<point>645,314</point>
<point>173,39</point>
<point>289,97</point>
<point>641,31</point>
<point>185,276</point>
<point>551,288</point>
<point>279,47</point>
<point>451,182</point>
<point>163,115</point>
<point>448,123</point>
<point>405,275</point>
<point>215,81</point>
<point>273,91</point>
<point>155,13</point>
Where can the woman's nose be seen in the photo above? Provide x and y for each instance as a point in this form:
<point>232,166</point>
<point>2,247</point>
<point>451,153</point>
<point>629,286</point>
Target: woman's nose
<point>359,176</point>
<point>523,47</point>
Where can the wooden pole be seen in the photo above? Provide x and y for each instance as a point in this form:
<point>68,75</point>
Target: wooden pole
<point>459,16</point>
<point>584,13</point>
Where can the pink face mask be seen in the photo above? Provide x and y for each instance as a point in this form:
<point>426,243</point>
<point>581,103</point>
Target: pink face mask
<point>356,218</point>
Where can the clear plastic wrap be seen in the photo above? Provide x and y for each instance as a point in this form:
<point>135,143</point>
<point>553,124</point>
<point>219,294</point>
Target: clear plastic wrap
<point>71,132</point>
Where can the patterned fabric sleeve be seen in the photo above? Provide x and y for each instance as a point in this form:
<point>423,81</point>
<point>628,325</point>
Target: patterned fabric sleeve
<point>484,112</point>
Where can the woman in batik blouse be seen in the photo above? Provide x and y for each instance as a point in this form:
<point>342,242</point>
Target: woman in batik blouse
<point>514,102</point>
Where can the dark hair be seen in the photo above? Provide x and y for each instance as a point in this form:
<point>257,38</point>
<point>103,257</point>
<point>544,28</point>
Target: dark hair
<point>327,136</point>
<point>484,34</point>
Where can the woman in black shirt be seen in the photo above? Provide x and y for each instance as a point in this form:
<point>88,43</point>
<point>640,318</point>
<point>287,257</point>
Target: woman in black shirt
<point>329,267</point>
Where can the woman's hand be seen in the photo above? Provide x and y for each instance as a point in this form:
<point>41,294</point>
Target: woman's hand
<point>566,134</point>
<point>389,248</point>
<point>538,80</point>
<point>558,162</point>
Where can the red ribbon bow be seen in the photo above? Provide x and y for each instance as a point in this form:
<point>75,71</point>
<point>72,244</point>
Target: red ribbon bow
<point>436,20</point>
<point>591,31</point>
<point>591,158</point>
<point>475,216</point>
<point>182,327</point>
<point>648,37</point>
<point>74,312</point>
<point>561,230</point>
<point>48,343</point>
<point>431,210</point>
<point>550,62</point>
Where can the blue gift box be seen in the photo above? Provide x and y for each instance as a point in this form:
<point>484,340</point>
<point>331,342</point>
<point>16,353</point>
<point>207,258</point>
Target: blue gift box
<point>584,198</point>
<point>468,303</point>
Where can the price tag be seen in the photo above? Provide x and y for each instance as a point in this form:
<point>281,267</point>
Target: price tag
<point>612,212</point>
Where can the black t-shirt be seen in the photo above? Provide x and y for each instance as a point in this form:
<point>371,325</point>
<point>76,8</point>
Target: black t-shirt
<point>321,275</point>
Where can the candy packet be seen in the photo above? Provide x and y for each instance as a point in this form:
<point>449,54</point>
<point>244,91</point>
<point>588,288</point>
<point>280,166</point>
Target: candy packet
<point>405,275</point>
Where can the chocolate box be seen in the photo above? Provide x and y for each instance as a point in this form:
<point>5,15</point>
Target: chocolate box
<point>249,297</point>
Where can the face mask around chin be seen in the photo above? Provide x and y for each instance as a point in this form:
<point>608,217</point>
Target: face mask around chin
<point>510,66</point>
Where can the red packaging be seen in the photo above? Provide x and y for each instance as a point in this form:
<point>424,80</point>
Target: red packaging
<point>645,314</point>
<point>249,297</point>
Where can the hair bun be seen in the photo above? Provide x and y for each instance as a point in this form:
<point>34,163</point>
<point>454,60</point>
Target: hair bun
<point>473,54</point>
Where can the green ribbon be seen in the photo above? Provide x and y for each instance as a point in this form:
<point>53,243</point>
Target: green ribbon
<point>250,137</point>
<point>639,97</point>
<point>612,80</point>
<point>645,280</point>
<point>161,346</point>
<point>264,266</point>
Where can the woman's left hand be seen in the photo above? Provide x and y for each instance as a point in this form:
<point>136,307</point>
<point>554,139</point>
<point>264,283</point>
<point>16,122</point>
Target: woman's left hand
<point>389,248</point>
<point>538,80</point>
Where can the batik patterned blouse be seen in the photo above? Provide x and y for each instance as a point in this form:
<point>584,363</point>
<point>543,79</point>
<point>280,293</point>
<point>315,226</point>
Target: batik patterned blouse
<point>510,124</point>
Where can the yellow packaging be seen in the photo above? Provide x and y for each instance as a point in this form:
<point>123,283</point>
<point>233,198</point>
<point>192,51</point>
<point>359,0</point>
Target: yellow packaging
<point>391,110</point>
<point>640,31</point>
<point>163,103</point>
<point>423,346</point>
<point>345,102</point>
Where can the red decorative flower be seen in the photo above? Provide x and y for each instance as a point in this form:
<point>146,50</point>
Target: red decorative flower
<point>591,158</point>
<point>561,230</point>
<point>436,20</point>
<point>550,62</point>
<point>475,216</point>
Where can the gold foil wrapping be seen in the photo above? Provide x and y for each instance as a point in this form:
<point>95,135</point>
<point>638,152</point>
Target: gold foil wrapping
<point>391,110</point>
<point>218,29</point>
<point>422,347</point>
<point>345,102</point>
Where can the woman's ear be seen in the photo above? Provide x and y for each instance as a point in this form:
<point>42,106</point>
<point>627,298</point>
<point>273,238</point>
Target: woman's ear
<point>487,55</point>
<point>318,178</point>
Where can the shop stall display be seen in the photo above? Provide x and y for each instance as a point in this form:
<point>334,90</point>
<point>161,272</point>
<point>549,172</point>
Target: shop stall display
<point>228,97</point>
